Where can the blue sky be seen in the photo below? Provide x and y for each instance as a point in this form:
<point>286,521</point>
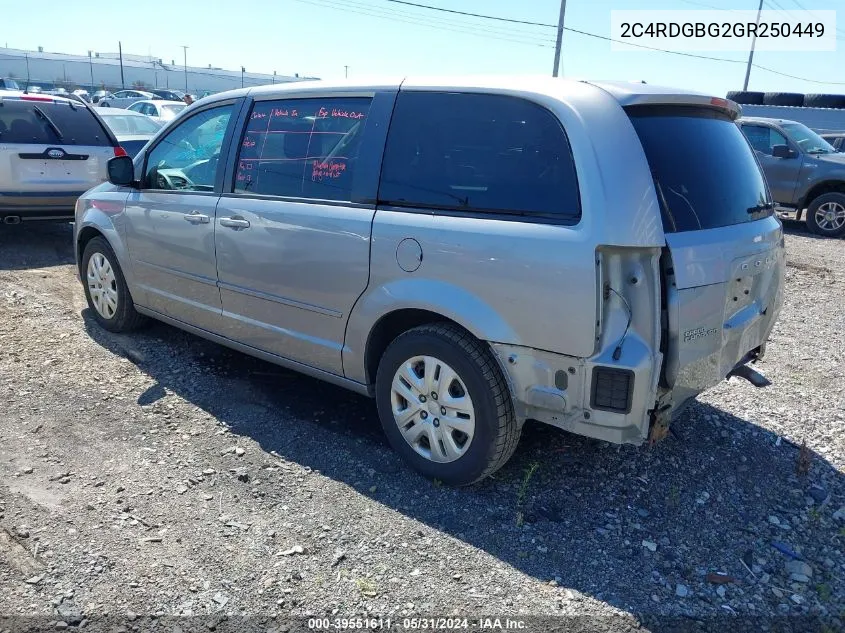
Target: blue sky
<point>320,37</point>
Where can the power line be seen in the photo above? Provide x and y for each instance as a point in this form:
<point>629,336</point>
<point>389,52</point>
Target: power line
<point>507,31</point>
<point>466,29</point>
<point>474,15</point>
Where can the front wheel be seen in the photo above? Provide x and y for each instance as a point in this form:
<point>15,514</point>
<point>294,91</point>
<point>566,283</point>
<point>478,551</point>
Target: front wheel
<point>826,215</point>
<point>444,404</point>
<point>106,290</point>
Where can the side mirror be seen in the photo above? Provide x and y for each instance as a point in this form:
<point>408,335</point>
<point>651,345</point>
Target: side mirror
<point>121,171</point>
<point>782,151</point>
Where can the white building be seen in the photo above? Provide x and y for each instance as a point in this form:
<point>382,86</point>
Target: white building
<point>104,70</point>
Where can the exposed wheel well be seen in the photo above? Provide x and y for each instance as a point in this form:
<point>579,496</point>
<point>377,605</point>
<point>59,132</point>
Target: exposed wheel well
<point>820,189</point>
<point>85,235</point>
<point>389,327</point>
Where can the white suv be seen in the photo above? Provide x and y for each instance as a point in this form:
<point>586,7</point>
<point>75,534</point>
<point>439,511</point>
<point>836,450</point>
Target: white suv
<point>52,150</point>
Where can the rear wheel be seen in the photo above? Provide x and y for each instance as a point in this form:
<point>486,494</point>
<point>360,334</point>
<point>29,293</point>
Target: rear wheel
<point>444,404</point>
<point>826,215</point>
<point>106,290</point>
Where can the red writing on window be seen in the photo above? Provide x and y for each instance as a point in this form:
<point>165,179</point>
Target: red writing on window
<point>259,115</point>
<point>248,142</point>
<point>285,112</point>
<point>344,114</point>
<point>244,177</point>
<point>321,169</point>
<point>245,165</point>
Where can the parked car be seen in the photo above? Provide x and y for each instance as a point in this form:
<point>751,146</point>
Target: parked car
<point>9,84</point>
<point>83,94</point>
<point>124,98</point>
<point>472,254</point>
<point>52,149</point>
<point>161,111</point>
<point>806,175</point>
<point>168,94</point>
<point>836,140</point>
<point>33,90</point>
<point>100,95</point>
<point>132,129</point>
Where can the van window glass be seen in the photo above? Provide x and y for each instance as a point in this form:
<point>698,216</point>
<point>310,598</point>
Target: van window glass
<point>187,158</point>
<point>704,170</point>
<point>302,148</point>
<point>478,153</point>
<point>763,138</point>
<point>47,123</point>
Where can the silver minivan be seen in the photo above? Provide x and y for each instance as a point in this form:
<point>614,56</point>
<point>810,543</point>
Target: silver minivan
<point>472,253</point>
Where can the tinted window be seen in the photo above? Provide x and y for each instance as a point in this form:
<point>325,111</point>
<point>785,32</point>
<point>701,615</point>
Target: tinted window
<point>304,148</point>
<point>704,171</point>
<point>47,123</point>
<point>188,156</point>
<point>473,152</point>
<point>763,138</point>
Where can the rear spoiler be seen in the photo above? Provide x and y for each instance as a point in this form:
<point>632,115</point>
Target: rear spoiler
<point>731,108</point>
<point>640,94</point>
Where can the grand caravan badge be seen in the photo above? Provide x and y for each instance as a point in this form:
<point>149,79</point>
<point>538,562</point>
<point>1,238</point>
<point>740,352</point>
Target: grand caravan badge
<point>702,332</point>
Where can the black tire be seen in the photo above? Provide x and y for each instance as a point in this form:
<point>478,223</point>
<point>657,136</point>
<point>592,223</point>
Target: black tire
<point>783,99</point>
<point>824,101</point>
<point>812,224</point>
<point>746,97</point>
<point>125,317</point>
<point>496,431</point>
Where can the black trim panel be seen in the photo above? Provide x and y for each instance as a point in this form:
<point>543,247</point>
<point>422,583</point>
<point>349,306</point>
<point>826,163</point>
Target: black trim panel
<point>45,155</point>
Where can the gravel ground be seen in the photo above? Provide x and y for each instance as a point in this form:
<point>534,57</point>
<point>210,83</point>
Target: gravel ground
<point>161,475</point>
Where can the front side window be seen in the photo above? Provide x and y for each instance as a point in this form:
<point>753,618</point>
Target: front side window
<point>137,107</point>
<point>302,148</point>
<point>478,153</point>
<point>763,138</point>
<point>187,158</point>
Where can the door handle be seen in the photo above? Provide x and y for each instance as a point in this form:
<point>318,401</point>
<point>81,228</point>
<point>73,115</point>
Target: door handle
<point>234,223</point>
<point>194,217</point>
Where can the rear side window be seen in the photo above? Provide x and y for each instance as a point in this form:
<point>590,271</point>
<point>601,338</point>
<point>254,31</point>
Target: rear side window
<point>46,123</point>
<point>478,153</point>
<point>704,170</point>
<point>302,148</point>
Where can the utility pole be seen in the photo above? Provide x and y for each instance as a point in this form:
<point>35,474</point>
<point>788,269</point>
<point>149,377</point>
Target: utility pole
<point>751,54</point>
<point>185,52</point>
<point>26,56</point>
<point>559,38</point>
<point>274,77</point>
<point>346,71</point>
<point>120,52</point>
<point>91,68</point>
<point>243,70</point>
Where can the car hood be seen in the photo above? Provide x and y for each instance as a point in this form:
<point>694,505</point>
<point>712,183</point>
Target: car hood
<point>837,159</point>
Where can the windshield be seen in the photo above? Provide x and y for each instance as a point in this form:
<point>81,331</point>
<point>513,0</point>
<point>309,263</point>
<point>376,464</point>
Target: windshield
<point>807,140</point>
<point>705,173</point>
<point>128,124</point>
<point>171,110</point>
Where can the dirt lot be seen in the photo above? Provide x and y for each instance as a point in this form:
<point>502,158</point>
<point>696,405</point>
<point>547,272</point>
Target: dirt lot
<point>160,475</point>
